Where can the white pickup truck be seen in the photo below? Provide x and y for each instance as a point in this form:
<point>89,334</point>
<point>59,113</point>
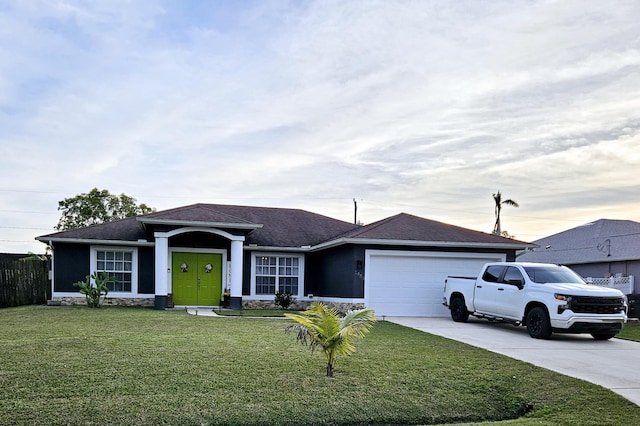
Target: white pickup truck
<point>543,297</point>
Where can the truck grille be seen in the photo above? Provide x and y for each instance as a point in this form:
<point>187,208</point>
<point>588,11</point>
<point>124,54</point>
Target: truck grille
<point>597,305</point>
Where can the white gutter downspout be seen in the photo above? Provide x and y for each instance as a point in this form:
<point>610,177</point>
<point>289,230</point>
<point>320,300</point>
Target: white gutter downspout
<point>51,271</point>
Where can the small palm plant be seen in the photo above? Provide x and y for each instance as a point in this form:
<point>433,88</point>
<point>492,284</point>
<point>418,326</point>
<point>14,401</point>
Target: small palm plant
<point>95,287</point>
<point>322,327</point>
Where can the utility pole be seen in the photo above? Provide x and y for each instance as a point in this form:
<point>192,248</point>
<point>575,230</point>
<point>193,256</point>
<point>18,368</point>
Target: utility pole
<point>355,212</point>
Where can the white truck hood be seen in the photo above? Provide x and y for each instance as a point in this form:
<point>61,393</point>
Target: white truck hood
<point>583,290</point>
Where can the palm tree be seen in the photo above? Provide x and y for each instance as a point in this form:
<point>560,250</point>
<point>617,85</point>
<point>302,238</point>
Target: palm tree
<point>497,197</point>
<point>334,334</point>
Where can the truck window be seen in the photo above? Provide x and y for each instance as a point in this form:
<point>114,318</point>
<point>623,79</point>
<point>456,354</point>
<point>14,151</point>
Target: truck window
<point>492,274</point>
<point>552,274</point>
<point>513,276</point>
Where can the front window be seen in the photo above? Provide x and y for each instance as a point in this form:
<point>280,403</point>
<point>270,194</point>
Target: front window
<point>553,274</point>
<point>119,264</point>
<point>513,276</point>
<point>277,273</point>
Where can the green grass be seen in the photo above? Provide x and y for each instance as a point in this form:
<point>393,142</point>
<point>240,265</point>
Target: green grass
<point>631,331</point>
<point>74,365</point>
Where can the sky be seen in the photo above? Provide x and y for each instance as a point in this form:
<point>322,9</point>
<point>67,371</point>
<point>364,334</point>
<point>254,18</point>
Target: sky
<point>423,107</point>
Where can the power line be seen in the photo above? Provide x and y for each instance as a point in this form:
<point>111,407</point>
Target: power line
<point>20,227</point>
<point>386,203</point>
<point>27,211</point>
<point>474,213</point>
<point>32,191</point>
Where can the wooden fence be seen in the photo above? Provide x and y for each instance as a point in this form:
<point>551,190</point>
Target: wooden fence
<point>24,282</point>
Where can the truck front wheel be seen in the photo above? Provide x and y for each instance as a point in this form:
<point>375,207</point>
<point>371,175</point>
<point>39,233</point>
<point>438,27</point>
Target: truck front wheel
<point>538,324</point>
<point>459,312</point>
<point>604,335</point>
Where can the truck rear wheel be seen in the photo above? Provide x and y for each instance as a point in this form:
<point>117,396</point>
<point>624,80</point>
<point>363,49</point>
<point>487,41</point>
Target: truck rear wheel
<point>459,312</point>
<point>538,324</point>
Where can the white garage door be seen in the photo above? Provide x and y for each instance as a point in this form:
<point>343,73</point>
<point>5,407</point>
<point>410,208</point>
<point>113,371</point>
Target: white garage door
<point>405,283</point>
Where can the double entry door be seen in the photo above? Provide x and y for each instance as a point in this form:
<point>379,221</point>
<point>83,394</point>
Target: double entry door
<point>196,278</point>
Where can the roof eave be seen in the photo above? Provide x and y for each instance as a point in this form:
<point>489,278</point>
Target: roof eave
<point>139,243</point>
<point>414,243</point>
<point>254,247</point>
<point>172,222</point>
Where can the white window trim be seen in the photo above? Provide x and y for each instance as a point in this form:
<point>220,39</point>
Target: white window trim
<point>255,255</point>
<point>134,269</point>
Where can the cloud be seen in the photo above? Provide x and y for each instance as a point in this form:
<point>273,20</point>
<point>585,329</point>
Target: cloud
<point>424,107</point>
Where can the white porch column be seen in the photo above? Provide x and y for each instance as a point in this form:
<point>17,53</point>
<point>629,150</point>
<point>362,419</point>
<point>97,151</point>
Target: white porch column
<point>237,258</point>
<point>161,270</point>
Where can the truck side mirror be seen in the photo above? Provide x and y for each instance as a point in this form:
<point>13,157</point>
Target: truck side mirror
<point>517,282</point>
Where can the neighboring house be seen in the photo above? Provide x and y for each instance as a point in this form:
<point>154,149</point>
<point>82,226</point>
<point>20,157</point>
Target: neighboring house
<point>195,255</point>
<point>601,249</point>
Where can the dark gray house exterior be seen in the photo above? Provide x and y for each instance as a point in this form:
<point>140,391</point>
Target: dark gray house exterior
<point>208,254</point>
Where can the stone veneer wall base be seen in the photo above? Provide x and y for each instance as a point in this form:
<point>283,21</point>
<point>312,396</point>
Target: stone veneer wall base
<point>300,305</point>
<point>109,301</point>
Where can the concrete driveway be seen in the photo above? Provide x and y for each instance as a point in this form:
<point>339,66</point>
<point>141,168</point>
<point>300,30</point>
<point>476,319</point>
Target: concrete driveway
<point>613,364</point>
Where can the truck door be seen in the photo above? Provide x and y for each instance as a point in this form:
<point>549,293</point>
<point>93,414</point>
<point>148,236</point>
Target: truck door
<point>510,293</point>
<point>486,290</point>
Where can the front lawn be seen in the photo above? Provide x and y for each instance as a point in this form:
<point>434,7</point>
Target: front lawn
<point>74,365</point>
<point>631,331</point>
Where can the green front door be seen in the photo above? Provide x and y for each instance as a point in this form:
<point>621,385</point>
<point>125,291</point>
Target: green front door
<point>196,278</point>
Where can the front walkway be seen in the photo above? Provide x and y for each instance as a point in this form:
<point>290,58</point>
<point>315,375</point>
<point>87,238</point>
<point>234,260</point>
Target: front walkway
<point>202,312</point>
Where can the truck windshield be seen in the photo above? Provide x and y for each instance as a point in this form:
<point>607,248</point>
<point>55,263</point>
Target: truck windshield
<point>554,274</point>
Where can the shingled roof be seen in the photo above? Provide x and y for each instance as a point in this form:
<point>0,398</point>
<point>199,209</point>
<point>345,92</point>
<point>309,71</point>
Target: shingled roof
<point>604,240</point>
<point>406,227</point>
<point>128,229</point>
<point>275,227</point>
<point>205,214</point>
<point>280,227</point>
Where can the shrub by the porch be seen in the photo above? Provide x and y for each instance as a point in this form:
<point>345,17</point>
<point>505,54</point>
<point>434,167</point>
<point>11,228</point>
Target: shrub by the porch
<point>283,299</point>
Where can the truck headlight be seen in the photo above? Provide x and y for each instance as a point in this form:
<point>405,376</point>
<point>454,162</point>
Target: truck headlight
<point>565,298</point>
